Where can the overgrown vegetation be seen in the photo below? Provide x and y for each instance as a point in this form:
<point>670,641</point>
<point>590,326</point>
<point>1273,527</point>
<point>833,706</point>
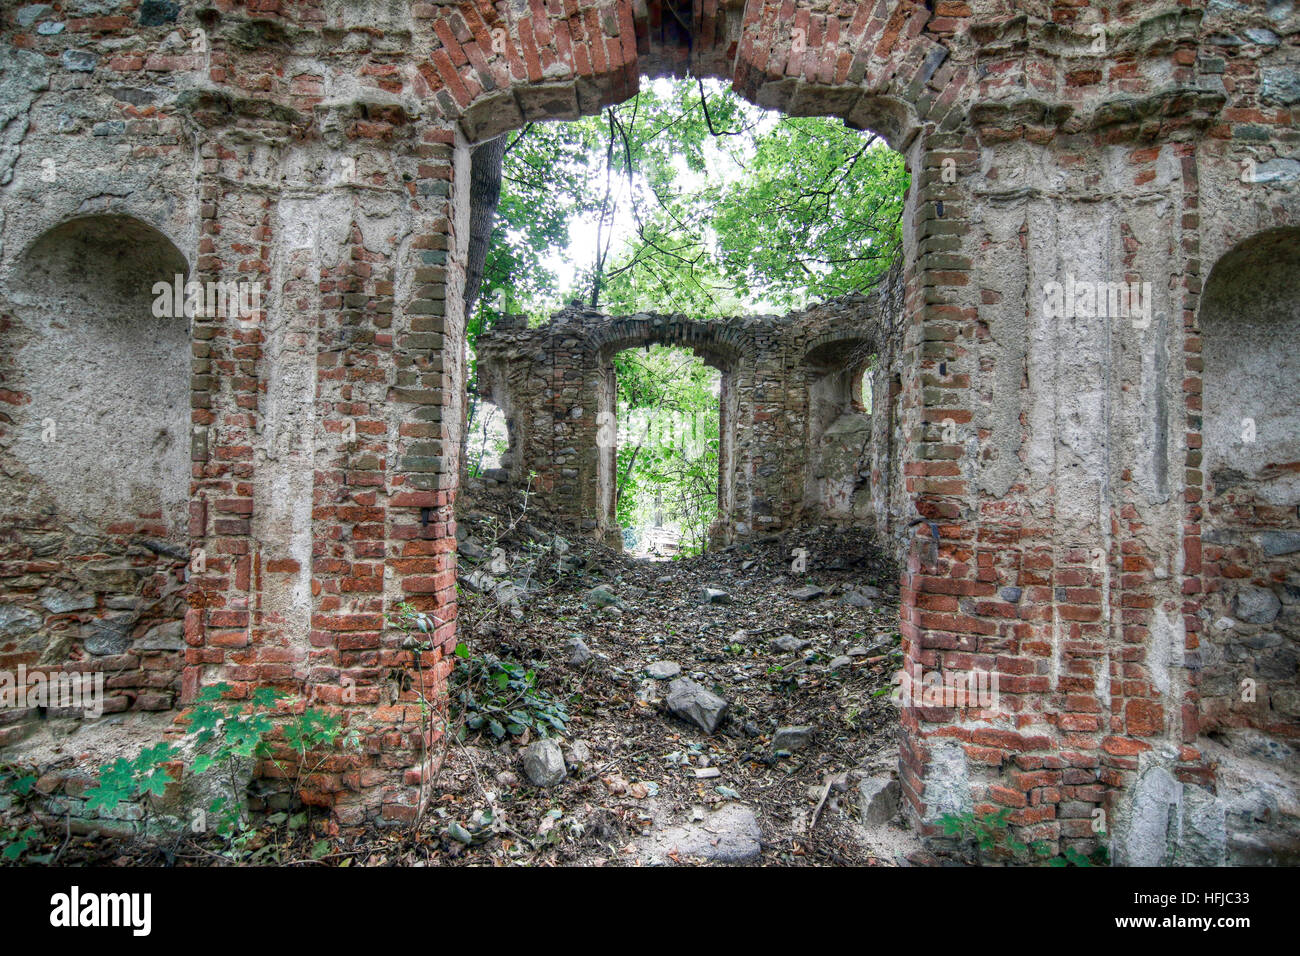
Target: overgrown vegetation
<point>489,694</point>
<point>685,199</point>
<point>16,784</point>
<point>499,697</point>
<point>667,480</point>
<point>989,837</point>
<point>229,735</point>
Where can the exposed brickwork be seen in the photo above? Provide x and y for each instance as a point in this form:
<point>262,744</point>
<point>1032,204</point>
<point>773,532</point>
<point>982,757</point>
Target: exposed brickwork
<point>554,384</point>
<point>321,151</point>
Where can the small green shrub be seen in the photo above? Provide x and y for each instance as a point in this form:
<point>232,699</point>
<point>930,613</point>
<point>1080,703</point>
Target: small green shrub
<point>490,693</point>
<point>16,786</point>
<point>128,779</point>
<point>227,733</point>
<point>991,835</point>
<point>502,697</point>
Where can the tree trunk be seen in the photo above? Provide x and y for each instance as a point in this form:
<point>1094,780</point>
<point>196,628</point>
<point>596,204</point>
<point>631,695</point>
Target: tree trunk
<point>484,195</point>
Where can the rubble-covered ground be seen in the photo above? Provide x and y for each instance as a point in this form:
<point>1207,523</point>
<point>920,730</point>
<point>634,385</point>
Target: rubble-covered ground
<point>617,711</point>
<point>642,655</point>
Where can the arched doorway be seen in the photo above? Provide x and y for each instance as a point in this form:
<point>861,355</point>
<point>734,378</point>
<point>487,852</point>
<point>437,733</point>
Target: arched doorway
<point>717,353</point>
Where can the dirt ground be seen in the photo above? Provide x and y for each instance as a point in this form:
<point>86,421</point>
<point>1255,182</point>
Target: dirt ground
<point>641,785</point>
<point>640,777</point>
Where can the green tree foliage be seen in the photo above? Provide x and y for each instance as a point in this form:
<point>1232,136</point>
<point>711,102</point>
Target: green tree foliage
<point>546,190</point>
<point>668,443</point>
<point>817,215</point>
<point>686,199</point>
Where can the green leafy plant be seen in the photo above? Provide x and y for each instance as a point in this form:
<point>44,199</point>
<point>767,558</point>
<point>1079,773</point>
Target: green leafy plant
<point>226,733</point>
<point>14,843</point>
<point>130,779</point>
<point>502,697</point>
<point>412,622</point>
<point>16,788</point>
<point>991,835</point>
<point>231,732</point>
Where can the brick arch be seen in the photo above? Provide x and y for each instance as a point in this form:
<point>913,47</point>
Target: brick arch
<point>722,346</point>
<point>877,66</point>
<point>808,62</point>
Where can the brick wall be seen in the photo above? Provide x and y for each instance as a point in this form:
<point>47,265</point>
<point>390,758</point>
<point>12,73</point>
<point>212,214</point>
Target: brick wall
<point>1054,462</point>
<point>552,382</point>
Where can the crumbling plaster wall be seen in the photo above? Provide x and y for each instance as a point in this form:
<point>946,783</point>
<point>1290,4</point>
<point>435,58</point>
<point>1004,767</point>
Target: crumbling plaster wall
<point>1052,464</point>
<point>94,388</point>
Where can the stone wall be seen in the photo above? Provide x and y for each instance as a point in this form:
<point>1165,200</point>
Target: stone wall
<point>794,447</point>
<point>1075,538</point>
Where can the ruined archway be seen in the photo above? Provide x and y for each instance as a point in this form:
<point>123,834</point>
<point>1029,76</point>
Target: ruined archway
<point>886,69</point>
<point>1050,541</point>
<point>780,376</point>
<point>720,347</point>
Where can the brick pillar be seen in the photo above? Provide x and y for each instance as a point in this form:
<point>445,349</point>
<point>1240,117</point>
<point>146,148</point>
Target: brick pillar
<point>1046,462</point>
<point>234,244</point>
<point>325,445</point>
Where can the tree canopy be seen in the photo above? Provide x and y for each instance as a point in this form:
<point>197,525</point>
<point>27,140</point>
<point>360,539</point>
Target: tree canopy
<point>688,199</point>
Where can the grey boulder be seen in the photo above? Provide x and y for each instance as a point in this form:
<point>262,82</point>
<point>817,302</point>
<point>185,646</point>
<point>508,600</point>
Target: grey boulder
<point>695,704</point>
<point>878,799</point>
<point>714,596</point>
<point>579,653</point>
<point>791,738</point>
<point>544,763</point>
<point>1257,605</point>
<point>728,835</point>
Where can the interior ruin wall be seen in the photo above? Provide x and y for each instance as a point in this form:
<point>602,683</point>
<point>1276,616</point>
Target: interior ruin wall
<point>795,446</point>
<point>1073,522</point>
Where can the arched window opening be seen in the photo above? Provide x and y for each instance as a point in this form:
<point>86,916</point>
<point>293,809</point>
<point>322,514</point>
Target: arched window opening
<point>841,383</point>
<point>105,428</point>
